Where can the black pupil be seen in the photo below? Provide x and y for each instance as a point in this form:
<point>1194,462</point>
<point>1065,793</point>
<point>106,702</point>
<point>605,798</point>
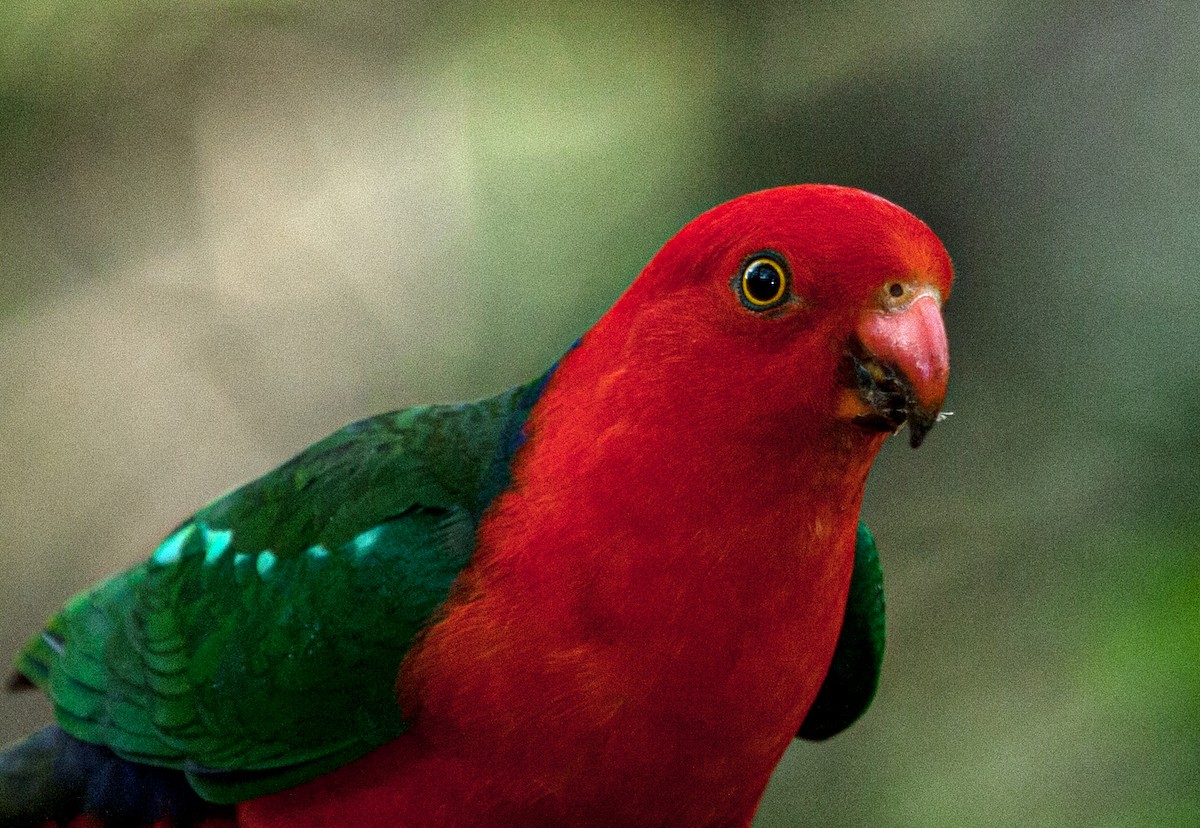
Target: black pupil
<point>897,289</point>
<point>763,282</point>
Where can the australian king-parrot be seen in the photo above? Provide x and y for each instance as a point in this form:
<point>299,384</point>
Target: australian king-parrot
<point>612,596</point>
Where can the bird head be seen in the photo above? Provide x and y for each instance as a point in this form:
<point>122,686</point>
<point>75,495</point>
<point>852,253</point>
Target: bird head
<point>810,306</point>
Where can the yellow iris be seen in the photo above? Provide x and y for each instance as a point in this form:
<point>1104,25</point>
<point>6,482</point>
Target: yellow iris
<point>763,282</point>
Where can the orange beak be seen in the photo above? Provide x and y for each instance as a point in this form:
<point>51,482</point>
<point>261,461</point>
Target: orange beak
<point>912,340</point>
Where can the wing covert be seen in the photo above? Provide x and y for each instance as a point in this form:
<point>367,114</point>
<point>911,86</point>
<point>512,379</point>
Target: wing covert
<point>853,676</point>
<point>259,644</point>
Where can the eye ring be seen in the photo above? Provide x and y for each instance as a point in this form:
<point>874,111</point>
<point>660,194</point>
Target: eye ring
<point>763,283</point>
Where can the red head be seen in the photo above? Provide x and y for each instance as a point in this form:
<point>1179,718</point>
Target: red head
<point>809,307</point>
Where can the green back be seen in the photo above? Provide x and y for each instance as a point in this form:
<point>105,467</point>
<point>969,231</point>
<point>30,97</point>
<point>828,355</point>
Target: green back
<point>258,646</point>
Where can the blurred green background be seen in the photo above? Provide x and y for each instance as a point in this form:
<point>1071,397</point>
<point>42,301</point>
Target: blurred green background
<point>227,228</point>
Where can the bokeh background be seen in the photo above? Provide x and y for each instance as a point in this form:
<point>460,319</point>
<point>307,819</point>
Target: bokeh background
<point>228,228</point>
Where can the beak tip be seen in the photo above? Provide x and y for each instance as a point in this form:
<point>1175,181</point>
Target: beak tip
<point>916,438</point>
<point>919,425</point>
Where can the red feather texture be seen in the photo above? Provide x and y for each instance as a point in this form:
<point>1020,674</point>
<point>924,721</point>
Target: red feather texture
<point>653,604</point>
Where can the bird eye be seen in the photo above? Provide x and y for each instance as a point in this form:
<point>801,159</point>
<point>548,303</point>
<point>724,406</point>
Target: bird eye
<point>763,284</point>
<point>896,290</point>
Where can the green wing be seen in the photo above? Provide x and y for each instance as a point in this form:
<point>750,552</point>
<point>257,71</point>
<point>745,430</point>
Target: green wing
<point>853,676</point>
<point>258,646</point>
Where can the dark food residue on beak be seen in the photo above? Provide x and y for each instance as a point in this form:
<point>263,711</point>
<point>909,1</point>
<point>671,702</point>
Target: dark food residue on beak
<point>890,397</point>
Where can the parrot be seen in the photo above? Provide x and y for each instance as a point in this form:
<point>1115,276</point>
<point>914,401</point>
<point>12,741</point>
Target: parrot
<point>613,595</point>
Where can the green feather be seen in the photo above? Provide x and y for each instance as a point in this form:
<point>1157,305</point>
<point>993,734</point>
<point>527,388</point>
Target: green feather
<point>258,646</point>
<point>853,677</point>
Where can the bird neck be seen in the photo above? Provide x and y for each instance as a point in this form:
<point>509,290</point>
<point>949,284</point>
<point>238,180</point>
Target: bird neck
<point>661,517</point>
<point>635,460</point>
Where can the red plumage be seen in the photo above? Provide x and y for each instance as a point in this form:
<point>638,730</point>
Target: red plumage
<point>654,603</point>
